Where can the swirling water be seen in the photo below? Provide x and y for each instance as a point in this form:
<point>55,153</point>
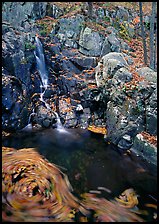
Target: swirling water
<point>90,163</point>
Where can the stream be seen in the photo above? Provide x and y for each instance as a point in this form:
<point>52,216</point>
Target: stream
<point>90,163</point>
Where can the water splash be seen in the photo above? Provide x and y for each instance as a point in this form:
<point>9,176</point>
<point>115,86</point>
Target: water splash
<point>60,127</point>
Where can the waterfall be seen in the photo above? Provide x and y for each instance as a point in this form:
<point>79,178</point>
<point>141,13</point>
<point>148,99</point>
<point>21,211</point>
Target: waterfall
<point>29,125</point>
<point>40,61</point>
<point>41,66</point>
<point>60,128</point>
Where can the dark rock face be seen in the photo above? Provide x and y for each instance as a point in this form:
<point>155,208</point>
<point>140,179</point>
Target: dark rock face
<point>18,12</point>
<point>15,104</point>
<point>16,59</point>
<point>19,64</point>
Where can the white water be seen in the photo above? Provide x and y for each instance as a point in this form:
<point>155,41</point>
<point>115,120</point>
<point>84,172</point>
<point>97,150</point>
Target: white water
<point>40,61</point>
<point>41,66</point>
<point>60,128</point>
<point>29,125</point>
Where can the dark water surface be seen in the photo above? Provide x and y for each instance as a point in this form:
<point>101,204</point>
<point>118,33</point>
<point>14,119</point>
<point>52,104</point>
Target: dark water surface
<point>90,163</point>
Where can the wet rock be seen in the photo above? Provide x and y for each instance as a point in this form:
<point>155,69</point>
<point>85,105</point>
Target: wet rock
<point>46,123</point>
<point>49,93</point>
<point>70,120</point>
<point>15,105</point>
<point>15,59</point>
<point>123,136</point>
<point>84,118</point>
<point>125,142</point>
<point>145,149</point>
<point>90,42</point>
<point>79,108</point>
<point>44,116</point>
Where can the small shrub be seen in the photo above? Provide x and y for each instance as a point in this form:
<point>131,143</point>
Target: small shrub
<point>123,32</point>
<point>29,46</point>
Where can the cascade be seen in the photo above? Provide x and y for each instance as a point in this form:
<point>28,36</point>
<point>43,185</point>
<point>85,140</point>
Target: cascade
<point>60,128</point>
<point>40,61</point>
<point>41,66</point>
<point>29,125</point>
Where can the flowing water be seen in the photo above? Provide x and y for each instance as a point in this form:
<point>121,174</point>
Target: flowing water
<point>40,61</point>
<point>90,163</point>
<point>41,67</point>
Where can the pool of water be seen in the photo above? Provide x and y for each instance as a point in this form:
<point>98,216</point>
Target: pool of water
<point>90,163</point>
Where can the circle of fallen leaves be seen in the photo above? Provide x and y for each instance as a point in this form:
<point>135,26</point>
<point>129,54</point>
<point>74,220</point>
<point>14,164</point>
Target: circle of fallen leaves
<point>34,189</point>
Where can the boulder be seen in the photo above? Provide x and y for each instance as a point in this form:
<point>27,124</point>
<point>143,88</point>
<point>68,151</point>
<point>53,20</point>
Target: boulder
<point>145,149</point>
<point>44,117</point>
<point>84,62</point>
<point>136,105</point>
<point>117,56</point>
<point>106,47</point>
<point>149,74</point>
<point>108,66</point>
<point>122,75</point>
<point>69,30</point>
<point>114,42</point>
<point>67,112</point>
<point>90,42</point>
<point>125,142</point>
<point>70,120</point>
